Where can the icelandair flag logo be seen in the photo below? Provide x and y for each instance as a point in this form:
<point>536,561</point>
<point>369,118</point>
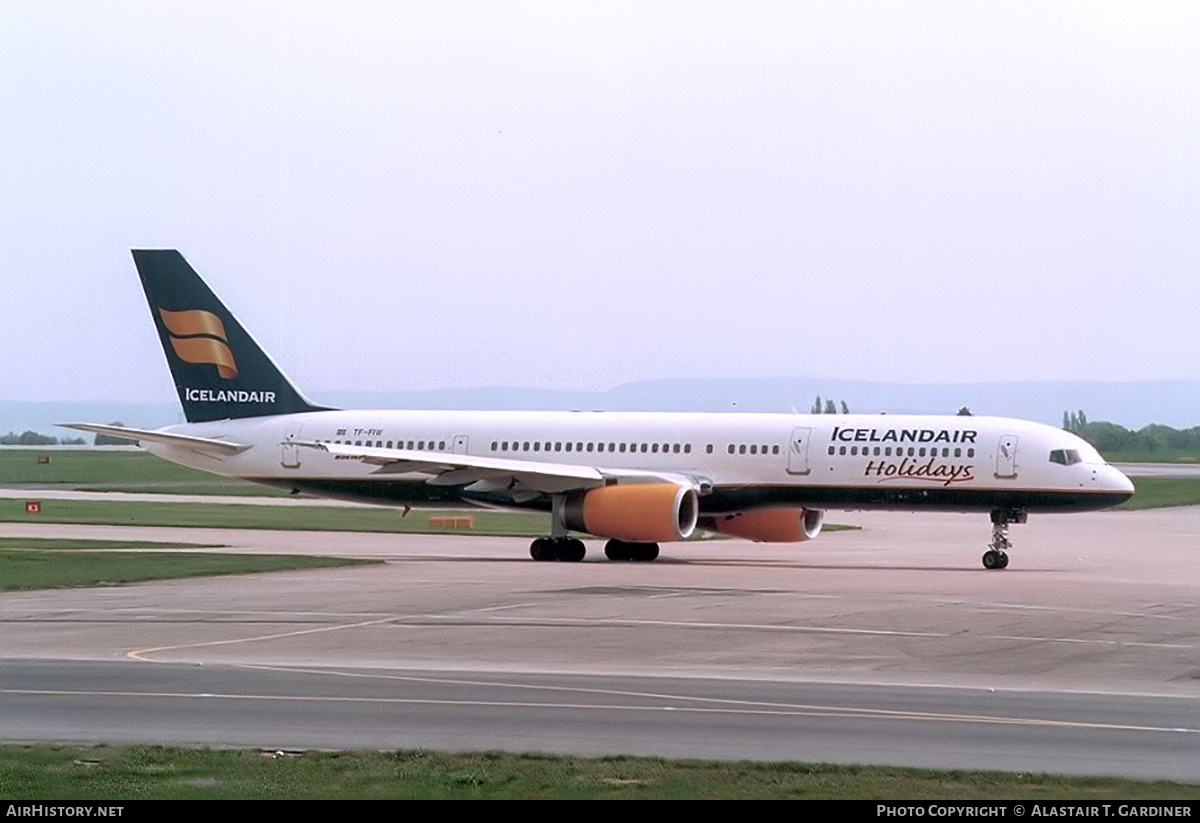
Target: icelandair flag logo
<point>199,337</point>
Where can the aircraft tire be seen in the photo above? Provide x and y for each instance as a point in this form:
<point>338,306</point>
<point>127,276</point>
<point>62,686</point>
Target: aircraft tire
<point>645,552</point>
<point>617,550</point>
<point>995,560</point>
<point>541,549</point>
<point>571,550</point>
<point>636,552</point>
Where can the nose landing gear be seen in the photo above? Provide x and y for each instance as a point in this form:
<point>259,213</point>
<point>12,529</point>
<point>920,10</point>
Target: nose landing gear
<point>996,557</point>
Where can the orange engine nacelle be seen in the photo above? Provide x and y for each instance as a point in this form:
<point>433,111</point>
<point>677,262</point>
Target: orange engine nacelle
<point>638,512</point>
<point>774,525</point>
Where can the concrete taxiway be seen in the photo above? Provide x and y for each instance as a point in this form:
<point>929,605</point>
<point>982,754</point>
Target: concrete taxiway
<point>885,644</point>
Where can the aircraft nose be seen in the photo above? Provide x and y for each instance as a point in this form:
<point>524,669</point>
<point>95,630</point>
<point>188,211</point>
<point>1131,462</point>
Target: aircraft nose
<point>1113,479</point>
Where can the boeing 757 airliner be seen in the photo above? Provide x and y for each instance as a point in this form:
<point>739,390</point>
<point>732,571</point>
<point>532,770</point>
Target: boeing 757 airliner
<point>636,479</point>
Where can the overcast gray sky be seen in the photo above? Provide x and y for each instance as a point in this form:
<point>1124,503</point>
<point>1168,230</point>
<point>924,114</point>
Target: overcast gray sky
<point>576,195</point>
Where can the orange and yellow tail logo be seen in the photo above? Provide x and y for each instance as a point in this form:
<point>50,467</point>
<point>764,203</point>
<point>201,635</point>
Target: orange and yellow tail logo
<point>199,337</point>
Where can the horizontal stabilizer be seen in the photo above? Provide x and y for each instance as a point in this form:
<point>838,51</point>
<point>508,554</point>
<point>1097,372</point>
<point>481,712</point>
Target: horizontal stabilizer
<point>202,444</point>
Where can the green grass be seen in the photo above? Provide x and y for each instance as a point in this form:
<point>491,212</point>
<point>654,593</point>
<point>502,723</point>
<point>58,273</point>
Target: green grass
<point>57,544</point>
<point>68,466</point>
<point>295,518</point>
<point>213,487</point>
<point>1160,492</point>
<point>145,772</point>
<point>235,516</point>
<point>116,470</point>
<point>1164,456</point>
<point>48,563</point>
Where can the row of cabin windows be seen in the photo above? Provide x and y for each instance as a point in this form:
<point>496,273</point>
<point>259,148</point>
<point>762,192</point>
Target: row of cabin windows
<point>412,445</point>
<point>886,451</point>
<point>623,448</point>
<point>558,446</point>
<point>676,448</point>
<point>752,449</point>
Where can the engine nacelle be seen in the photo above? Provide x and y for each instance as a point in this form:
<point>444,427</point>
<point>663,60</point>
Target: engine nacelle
<point>636,512</point>
<point>773,525</point>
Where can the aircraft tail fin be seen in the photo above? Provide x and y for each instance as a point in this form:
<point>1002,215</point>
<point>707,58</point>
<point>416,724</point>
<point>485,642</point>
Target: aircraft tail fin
<point>219,371</point>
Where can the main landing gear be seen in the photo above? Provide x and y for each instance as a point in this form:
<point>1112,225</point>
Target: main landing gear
<point>620,550</point>
<point>996,557</point>
<point>571,550</point>
<point>558,546</point>
<point>564,548</point>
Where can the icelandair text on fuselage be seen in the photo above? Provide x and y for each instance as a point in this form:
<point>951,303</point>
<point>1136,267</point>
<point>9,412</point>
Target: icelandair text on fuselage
<point>228,396</point>
<point>908,468</point>
<point>902,436</point>
<point>1033,810</point>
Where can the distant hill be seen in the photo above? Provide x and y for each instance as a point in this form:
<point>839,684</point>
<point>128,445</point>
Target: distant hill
<point>1173,403</point>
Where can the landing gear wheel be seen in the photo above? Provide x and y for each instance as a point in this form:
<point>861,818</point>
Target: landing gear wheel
<point>995,560</point>
<point>571,550</point>
<point>646,552</point>
<point>616,550</point>
<point>541,549</point>
<point>996,557</point>
<point>567,549</point>
<point>637,552</point>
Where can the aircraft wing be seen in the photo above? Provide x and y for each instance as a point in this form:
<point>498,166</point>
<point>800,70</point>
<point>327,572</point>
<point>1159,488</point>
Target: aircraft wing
<point>187,441</point>
<point>523,479</point>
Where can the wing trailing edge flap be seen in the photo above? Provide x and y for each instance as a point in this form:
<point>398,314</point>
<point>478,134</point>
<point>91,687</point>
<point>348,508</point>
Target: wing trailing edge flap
<point>497,473</point>
<point>446,469</point>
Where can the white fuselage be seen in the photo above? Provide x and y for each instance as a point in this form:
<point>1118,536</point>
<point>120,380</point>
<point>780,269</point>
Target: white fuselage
<point>738,461</point>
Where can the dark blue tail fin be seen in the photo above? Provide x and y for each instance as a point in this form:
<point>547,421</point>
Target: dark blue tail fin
<point>219,371</point>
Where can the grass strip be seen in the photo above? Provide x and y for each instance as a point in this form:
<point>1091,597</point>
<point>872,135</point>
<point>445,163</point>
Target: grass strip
<point>296,518</point>
<point>27,564</point>
<point>61,544</point>
<point>1162,492</point>
<point>67,466</point>
<point>148,772</point>
<point>1159,456</point>
<point>236,516</point>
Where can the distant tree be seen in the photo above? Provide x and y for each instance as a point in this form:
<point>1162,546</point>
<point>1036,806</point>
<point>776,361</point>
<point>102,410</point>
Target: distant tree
<point>28,438</point>
<point>110,440</point>
<point>964,412</point>
<point>1110,437</point>
<point>828,406</point>
<point>1066,421</point>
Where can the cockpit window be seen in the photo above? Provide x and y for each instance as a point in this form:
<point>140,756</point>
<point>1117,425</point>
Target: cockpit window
<point>1065,457</point>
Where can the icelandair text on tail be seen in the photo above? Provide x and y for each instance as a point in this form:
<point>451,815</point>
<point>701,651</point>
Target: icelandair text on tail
<point>228,396</point>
